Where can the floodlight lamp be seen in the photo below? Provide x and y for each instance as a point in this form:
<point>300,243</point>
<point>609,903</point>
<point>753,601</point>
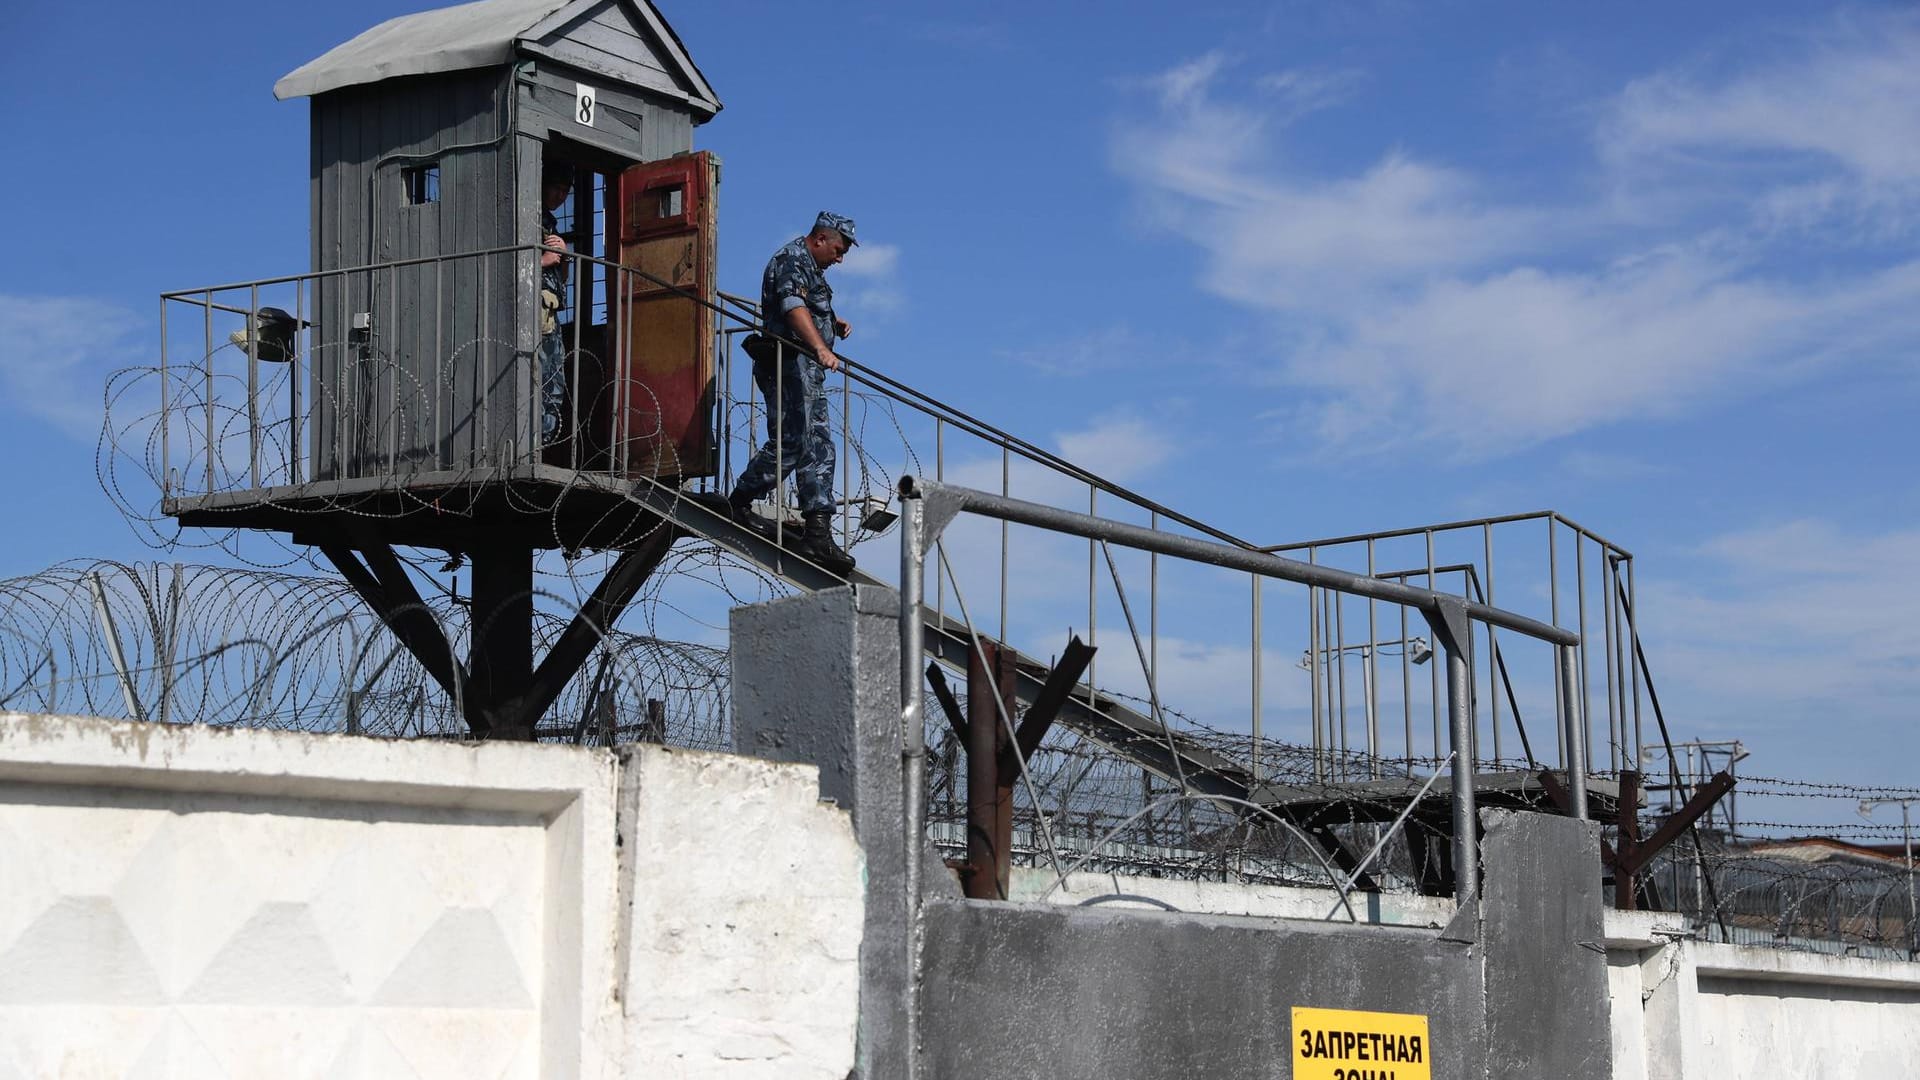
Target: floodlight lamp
<point>875,513</point>
<point>1422,652</point>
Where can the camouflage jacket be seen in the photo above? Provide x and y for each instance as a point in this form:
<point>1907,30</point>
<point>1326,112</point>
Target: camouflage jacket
<point>553,277</point>
<point>792,280</point>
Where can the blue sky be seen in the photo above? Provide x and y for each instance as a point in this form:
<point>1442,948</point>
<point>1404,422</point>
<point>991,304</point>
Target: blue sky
<point>1297,269</point>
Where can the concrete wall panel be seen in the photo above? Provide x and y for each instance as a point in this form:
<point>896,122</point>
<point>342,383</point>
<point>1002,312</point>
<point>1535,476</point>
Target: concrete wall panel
<point>1546,968</point>
<point>745,912</point>
<point>1017,990</point>
<point>206,903</point>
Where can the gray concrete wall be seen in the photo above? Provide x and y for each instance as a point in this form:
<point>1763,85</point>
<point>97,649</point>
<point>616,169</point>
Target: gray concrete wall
<point>1546,959</point>
<point>1019,990</point>
<point>1517,987</point>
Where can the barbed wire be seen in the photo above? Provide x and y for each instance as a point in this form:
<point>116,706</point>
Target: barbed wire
<point>271,644</point>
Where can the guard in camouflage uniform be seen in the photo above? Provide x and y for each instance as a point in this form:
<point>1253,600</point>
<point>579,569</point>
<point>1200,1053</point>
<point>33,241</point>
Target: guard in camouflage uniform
<point>556,183</point>
<point>796,305</point>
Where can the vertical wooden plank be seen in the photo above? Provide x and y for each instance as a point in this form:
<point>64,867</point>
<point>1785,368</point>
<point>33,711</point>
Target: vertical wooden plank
<point>422,241</point>
<point>320,126</point>
<point>465,348</point>
<point>522,226</point>
<point>361,138</point>
<point>447,396</point>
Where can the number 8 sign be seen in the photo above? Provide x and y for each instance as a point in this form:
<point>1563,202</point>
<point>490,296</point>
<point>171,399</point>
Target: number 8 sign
<point>583,104</point>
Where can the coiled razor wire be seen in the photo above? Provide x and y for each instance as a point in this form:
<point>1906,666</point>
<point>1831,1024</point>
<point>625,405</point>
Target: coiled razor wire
<point>276,643</point>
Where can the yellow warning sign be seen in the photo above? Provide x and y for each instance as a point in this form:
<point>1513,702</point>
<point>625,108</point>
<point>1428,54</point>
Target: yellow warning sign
<point>1345,1044</point>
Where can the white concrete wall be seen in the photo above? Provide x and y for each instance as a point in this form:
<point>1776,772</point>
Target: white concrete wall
<point>1683,1009</point>
<point>746,914</point>
<point>209,903</point>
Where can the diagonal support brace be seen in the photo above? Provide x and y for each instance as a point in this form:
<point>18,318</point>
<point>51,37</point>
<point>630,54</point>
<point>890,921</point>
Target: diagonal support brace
<point>949,705</point>
<point>591,623</point>
<point>385,587</point>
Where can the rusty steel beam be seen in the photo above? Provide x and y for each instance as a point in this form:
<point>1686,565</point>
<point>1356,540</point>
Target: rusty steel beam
<point>989,787</point>
<point>1627,862</point>
<point>1059,685</point>
<point>1690,811</point>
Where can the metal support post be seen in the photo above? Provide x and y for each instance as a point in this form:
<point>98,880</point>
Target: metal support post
<point>1450,629</point>
<point>913,660</point>
<point>112,633</point>
<point>166,419</point>
<point>1255,578</point>
<point>500,649</point>
<point>1573,731</point>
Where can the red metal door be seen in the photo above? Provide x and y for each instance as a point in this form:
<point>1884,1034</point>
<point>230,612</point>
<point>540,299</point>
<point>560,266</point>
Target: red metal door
<point>664,219</point>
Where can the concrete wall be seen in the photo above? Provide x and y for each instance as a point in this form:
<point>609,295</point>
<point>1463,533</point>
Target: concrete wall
<point>743,902</point>
<point>1682,1008</point>
<point>207,903</point>
<point>1516,988</point>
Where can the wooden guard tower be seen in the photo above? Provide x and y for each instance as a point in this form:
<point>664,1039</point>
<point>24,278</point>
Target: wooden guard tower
<point>416,365</point>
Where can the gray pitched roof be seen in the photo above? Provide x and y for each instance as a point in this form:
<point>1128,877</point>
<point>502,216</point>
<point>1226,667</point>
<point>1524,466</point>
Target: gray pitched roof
<point>467,36</point>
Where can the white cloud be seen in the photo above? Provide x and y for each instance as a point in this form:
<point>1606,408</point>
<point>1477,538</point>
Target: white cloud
<point>875,291</point>
<point>1119,447</point>
<point>1829,123</point>
<point>1524,356</point>
<point>56,353</point>
<point>1305,90</point>
<point>1287,241</point>
<point>1415,305</point>
<point>1797,623</point>
<point>1849,98</point>
<point>870,260</point>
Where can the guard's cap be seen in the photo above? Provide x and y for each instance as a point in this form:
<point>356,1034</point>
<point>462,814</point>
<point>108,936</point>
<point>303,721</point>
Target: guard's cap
<point>830,220</point>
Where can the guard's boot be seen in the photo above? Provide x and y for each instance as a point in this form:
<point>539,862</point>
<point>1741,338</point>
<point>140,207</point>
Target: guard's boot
<point>816,545</point>
<point>740,507</point>
<point>732,507</point>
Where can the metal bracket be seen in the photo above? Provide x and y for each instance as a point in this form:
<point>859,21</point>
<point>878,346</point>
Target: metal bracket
<point>1451,627</point>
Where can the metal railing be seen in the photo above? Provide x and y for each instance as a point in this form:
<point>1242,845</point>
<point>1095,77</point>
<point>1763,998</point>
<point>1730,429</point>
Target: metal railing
<point>1543,560</point>
<point>232,422</point>
<point>388,371</point>
<point>930,507</point>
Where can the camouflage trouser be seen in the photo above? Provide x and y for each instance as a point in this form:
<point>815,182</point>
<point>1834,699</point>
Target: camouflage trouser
<point>553,383</point>
<point>805,445</point>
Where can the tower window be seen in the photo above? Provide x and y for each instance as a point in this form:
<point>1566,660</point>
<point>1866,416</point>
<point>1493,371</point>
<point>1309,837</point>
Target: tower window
<point>423,184</point>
